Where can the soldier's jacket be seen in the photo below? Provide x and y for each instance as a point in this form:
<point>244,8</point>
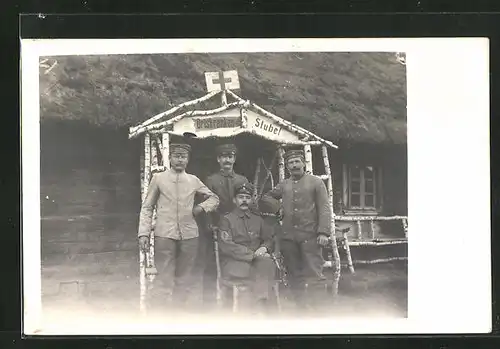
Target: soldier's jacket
<point>173,195</point>
<point>306,209</point>
<point>216,182</point>
<point>240,235</point>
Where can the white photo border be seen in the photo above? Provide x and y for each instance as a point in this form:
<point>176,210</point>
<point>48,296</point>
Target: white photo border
<point>449,267</point>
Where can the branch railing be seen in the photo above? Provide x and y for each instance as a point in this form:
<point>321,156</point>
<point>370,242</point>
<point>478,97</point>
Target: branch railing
<point>346,244</point>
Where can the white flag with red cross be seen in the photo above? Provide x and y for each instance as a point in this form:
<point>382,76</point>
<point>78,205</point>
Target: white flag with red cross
<point>227,80</point>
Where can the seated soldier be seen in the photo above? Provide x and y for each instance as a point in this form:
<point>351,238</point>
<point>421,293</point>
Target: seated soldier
<point>245,244</point>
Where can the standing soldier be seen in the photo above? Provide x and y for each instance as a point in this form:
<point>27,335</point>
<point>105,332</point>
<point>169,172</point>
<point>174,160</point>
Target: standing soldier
<point>222,183</point>
<point>245,244</point>
<point>176,231</point>
<point>306,227</point>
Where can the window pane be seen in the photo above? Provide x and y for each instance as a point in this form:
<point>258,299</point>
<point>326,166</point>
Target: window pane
<point>355,187</point>
<point>355,200</point>
<point>369,187</point>
<point>369,172</point>
<point>369,201</point>
<point>355,172</point>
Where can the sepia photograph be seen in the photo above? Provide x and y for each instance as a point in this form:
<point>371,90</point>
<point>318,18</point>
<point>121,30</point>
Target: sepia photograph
<point>184,187</point>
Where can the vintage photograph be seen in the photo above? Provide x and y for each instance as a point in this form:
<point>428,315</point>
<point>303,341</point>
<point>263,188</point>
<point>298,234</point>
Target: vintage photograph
<point>265,184</point>
<point>296,187</point>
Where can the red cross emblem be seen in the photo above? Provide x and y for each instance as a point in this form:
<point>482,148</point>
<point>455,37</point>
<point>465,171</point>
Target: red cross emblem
<point>222,80</point>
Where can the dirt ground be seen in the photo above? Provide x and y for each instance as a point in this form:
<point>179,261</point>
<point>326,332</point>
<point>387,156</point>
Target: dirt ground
<point>110,286</point>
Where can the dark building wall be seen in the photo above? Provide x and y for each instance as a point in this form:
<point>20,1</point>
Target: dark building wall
<point>90,189</point>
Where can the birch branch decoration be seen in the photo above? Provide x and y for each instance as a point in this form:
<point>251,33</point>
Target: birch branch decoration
<point>166,150</point>
<point>281,164</point>
<point>288,125</point>
<point>405,226</point>
<point>372,228</point>
<point>162,124</point>
<point>147,163</point>
<point>348,253</point>
<point>333,238</point>
<point>256,178</point>
<point>308,158</point>
<point>173,110</point>
<point>369,218</point>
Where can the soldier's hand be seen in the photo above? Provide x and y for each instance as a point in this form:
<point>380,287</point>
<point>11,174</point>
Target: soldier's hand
<point>323,240</point>
<point>144,243</point>
<point>197,210</point>
<point>260,251</point>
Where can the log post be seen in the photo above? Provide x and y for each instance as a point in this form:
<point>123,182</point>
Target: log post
<point>281,177</point>
<point>281,164</point>
<point>405,226</point>
<point>142,281</point>
<point>166,149</point>
<point>154,164</point>
<point>141,165</point>
<point>154,152</point>
<point>256,179</point>
<point>348,253</point>
<point>372,229</point>
<point>147,163</point>
<point>333,237</point>
<point>223,96</point>
<point>360,230</point>
<point>308,158</point>
<point>142,255</point>
<point>244,117</point>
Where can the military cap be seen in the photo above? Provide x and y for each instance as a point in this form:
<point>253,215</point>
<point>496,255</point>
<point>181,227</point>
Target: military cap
<point>294,153</point>
<point>180,148</point>
<point>226,149</point>
<point>244,188</point>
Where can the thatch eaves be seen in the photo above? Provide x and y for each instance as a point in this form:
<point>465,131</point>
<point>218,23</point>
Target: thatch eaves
<point>342,97</point>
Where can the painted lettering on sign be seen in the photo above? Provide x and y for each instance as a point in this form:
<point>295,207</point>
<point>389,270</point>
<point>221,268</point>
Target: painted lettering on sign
<point>220,122</point>
<point>266,126</point>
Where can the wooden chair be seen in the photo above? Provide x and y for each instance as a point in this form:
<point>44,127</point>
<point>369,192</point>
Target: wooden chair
<point>223,285</point>
<point>237,287</point>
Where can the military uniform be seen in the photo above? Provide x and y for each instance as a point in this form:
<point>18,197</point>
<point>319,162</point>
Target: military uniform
<point>306,214</point>
<point>241,234</point>
<point>223,185</point>
<point>176,231</point>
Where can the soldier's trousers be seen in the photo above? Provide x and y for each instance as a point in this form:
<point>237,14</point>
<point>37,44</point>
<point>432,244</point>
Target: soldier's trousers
<point>174,261</point>
<point>304,264</point>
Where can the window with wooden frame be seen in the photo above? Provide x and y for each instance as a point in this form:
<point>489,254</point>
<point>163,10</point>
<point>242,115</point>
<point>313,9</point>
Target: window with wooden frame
<point>362,187</point>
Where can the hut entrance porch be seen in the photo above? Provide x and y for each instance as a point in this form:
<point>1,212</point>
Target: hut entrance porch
<point>251,150</point>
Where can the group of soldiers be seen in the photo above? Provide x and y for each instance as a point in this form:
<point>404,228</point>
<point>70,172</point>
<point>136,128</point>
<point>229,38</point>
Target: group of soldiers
<point>191,214</point>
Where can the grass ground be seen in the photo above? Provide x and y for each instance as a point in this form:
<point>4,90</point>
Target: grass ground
<point>109,287</point>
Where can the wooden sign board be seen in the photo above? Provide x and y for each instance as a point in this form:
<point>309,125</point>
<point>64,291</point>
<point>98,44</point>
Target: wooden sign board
<point>229,123</point>
<point>217,81</point>
<point>268,128</point>
<point>220,124</point>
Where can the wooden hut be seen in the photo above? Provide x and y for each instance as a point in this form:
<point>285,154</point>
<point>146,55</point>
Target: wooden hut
<point>230,120</point>
<point>90,184</point>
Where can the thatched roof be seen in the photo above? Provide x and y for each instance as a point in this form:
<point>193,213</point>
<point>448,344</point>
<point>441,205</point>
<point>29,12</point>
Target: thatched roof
<point>342,97</point>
